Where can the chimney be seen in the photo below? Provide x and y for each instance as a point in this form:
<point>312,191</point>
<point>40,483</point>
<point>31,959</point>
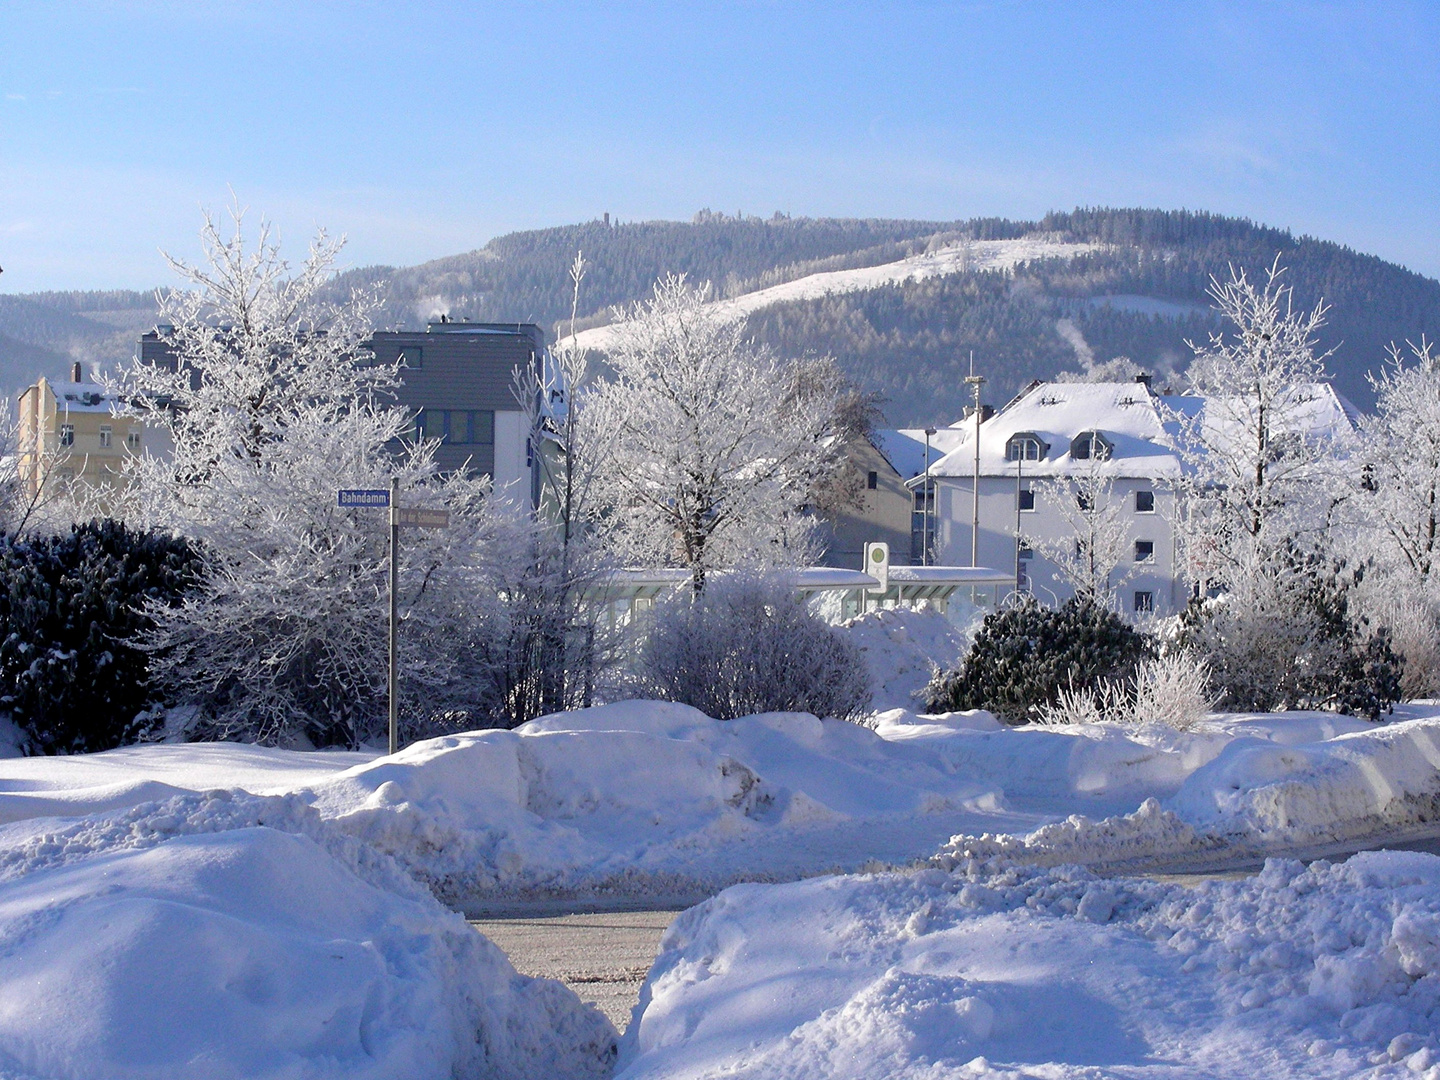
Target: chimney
<point>1144,380</point>
<point>77,372</point>
<point>607,219</point>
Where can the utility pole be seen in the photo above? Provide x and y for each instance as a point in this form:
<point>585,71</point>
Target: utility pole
<point>975,382</point>
<point>1019,487</point>
<point>925,505</point>
<point>394,620</point>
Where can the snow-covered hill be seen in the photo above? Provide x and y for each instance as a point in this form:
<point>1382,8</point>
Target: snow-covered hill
<point>968,257</point>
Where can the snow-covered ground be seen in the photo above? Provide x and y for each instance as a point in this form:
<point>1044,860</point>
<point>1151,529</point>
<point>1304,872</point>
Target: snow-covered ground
<point>902,648</point>
<point>972,257</point>
<point>200,910</point>
<point>1018,972</point>
<point>646,802</point>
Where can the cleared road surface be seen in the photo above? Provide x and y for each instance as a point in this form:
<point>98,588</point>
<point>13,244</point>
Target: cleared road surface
<point>603,957</point>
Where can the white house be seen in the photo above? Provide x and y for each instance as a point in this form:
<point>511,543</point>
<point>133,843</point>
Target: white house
<point>1125,432</point>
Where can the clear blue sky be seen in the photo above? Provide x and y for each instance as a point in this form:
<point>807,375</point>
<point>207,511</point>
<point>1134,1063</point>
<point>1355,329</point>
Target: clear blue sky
<point>423,130</point>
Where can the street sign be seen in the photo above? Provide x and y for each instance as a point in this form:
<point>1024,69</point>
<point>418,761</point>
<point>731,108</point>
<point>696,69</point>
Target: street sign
<point>877,565</point>
<point>363,497</point>
<point>413,517</point>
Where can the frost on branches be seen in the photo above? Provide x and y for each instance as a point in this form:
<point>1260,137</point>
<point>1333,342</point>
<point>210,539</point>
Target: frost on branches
<point>716,442</point>
<point>1093,552</point>
<point>273,406</point>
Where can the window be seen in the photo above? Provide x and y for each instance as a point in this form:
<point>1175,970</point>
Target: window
<point>1144,550</point>
<point>1027,499</point>
<point>412,356</point>
<point>106,433</point>
<point>1144,502</point>
<point>132,440</point>
<point>1084,502</point>
<point>456,426</point>
<point>1090,444</point>
<point>67,434</point>
<point>1144,600</point>
<point>1026,446</point>
<point>1026,551</point>
<point>872,480</point>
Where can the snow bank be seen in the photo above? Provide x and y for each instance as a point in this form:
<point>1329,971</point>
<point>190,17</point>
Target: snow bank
<point>1325,971</point>
<point>1256,796</point>
<point>226,934</point>
<point>902,647</point>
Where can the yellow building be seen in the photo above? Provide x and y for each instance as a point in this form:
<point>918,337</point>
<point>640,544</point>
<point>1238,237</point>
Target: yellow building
<point>69,433</point>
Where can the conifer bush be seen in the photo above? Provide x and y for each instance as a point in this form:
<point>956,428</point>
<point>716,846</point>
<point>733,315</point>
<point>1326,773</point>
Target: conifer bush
<point>72,609</point>
<point>1025,655</point>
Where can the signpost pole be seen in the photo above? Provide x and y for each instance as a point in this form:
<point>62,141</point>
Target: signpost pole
<point>394,590</point>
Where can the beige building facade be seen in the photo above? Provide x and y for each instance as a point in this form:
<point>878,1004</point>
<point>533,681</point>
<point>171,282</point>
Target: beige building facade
<point>68,434</point>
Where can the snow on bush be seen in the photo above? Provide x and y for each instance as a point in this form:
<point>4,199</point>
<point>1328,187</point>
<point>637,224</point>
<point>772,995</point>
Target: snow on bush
<point>1016,972</point>
<point>1172,689</point>
<point>225,934</point>
<point>746,645</point>
<point>903,648</point>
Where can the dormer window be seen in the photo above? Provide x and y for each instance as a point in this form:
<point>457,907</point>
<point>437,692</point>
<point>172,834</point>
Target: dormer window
<point>1026,446</point>
<point>1091,444</point>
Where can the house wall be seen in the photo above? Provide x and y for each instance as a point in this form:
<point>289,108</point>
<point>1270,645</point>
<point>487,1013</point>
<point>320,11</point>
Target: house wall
<point>1158,576</point>
<point>883,513</point>
<point>42,458</point>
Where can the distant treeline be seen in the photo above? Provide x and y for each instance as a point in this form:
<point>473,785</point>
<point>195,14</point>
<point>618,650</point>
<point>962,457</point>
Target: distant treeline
<point>910,343</point>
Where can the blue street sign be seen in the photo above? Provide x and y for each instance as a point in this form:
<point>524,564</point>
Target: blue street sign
<point>364,497</point>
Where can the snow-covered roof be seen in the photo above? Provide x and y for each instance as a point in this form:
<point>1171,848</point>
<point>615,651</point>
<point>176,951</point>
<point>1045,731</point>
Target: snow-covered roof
<point>1139,425</point>
<point>81,397</point>
<point>1128,415</point>
<point>904,448</point>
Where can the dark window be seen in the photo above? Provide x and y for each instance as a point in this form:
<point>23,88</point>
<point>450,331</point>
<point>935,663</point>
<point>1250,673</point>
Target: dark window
<point>1026,551</point>
<point>1027,499</point>
<point>1090,444</point>
<point>1083,502</point>
<point>872,481</point>
<point>1025,447</point>
<point>1144,550</point>
<point>456,427</point>
<point>412,356</point>
<point>1144,502</point>
<point>1144,600</point>
<point>67,434</point>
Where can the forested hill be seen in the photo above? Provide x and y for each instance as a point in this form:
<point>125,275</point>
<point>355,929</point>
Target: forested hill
<point>1140,293</point>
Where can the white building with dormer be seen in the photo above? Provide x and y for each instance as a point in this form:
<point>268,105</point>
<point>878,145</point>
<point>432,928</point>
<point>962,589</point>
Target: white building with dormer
<point>1052,431</point>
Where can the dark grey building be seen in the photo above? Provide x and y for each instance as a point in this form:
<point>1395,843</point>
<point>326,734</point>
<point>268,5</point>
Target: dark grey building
<point>457,378</point>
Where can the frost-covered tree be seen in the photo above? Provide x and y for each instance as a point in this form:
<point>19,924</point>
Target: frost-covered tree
<point>555,645</point>
<point>716,443</point>
<point>1397,510</point>
<point>273,405</point>
<point>1093,552</point>
<point>1260,476</point>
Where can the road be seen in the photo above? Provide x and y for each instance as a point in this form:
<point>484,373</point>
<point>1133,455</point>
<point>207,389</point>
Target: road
<point>603,957</point>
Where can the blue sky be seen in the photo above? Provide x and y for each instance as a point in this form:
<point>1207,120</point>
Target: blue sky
<point>421,130</point>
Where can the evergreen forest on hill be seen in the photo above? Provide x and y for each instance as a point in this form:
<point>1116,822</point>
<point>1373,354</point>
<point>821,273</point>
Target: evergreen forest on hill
<point>1141,298</point>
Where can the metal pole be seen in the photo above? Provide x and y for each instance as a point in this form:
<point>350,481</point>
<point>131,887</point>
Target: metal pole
<point>976,381</point>
<point>925,505</point>
<point>1019,469</point>
<point>394,619</point>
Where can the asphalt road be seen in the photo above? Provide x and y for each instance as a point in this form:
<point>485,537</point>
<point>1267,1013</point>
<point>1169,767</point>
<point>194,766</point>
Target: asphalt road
<point>603,957</point>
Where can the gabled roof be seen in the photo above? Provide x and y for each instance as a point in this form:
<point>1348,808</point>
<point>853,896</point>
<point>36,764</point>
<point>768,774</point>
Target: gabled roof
<point>904,448</point>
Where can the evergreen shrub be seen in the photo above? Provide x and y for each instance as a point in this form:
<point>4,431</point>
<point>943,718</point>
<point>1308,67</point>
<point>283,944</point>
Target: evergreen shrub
<point>72,609</point>
<point>1026,654</point>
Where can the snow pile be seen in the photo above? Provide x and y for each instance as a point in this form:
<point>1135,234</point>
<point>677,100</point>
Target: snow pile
<point>902,647</point>
<point>225,934</point>
<point>1255,796</point>
<point>1325,971</point>
<point>650,797</point>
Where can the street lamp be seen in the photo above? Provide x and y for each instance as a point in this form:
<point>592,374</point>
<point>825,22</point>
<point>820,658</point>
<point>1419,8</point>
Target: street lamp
<point>975,382</point>
<point>925,504</point>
